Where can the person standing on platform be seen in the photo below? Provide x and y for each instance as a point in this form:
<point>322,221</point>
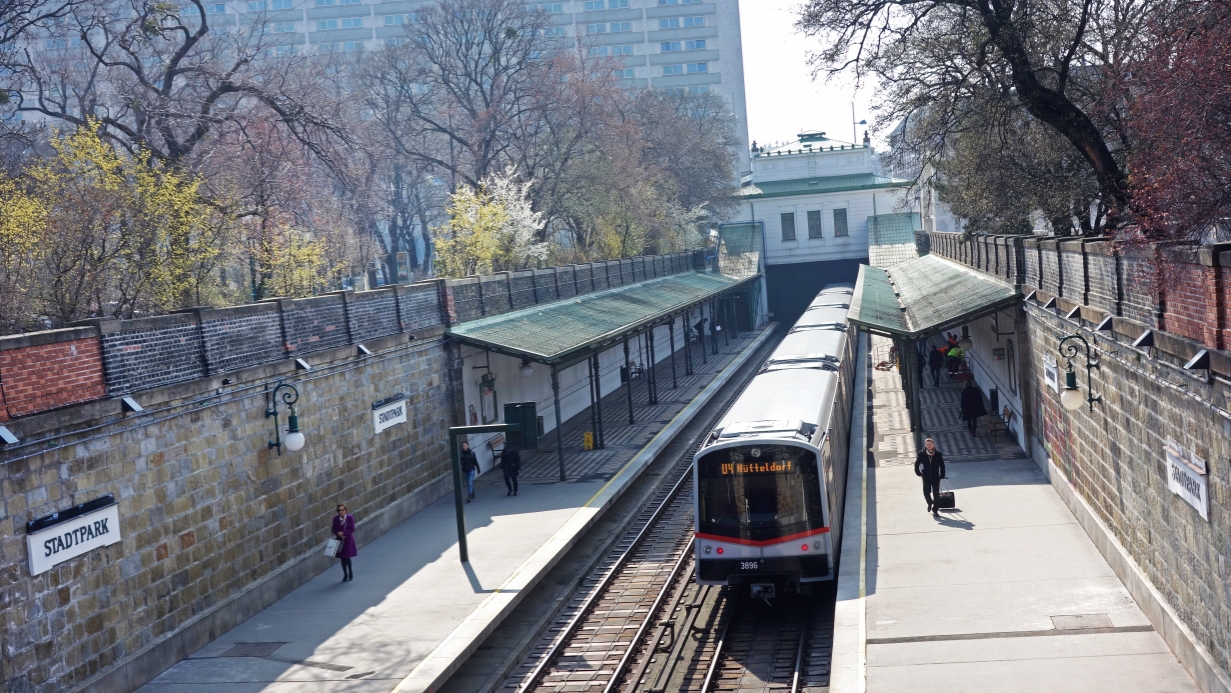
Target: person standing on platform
<point>930,465</point>
<point>510,464</point>
<point>344,529</point>
<point>470,469</point>
<point>972,406</point>
<point>936,361</point>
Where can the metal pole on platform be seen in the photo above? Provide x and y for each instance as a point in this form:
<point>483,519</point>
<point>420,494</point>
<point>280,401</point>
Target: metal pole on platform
<point>555,396</point>
<point>726,320</point>
<point>671,336</point>
<point>687,343</point>
<point>593,418</point>
<point>455,456</point>
<point>598,399</point>
<point>701,332</point>
<point>649,343</point>
<point>714,327</point>
<point>628,381</point>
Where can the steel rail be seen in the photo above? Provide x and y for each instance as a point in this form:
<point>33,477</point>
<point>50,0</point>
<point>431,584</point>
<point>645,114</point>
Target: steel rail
<point>626,659</point>
<point>799,652</point>
<point>597,591</point>
<point>722,639</point>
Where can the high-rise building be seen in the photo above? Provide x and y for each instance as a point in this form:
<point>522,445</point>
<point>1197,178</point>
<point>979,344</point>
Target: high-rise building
<point>688,45</point>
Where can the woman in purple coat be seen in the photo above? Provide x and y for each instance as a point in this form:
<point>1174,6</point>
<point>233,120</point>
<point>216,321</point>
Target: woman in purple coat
<point>344,529</point>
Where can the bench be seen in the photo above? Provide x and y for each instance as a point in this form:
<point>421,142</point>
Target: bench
<point>1002,422</point>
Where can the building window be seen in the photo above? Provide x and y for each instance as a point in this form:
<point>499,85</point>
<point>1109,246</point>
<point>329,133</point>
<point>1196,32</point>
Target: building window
<point>215,9</point>
<point>671,46</point>
<point>348,2</point>
<point>591,5</point>
<point>672,23</point>
<point>596,28</point>
<point>673,70</point>
<point>257,5</point>
<point>352,46</point>
<point>814,224</point>
<point>548,7</point>
<point>698,45</point>
<point>324,3</point>
<point>694,21</point>
<point>694,68</point>
<point>285,51</point>
<point>621,27</point>
<point>599,52</point>
<point>679,2</point>
<point>621,50</point>
<point>396,19</point>
<point>352,23</point>
<point>698,91</point>
<point>284,4</point>
<point>788,226</point>
<point>284,27</point>
<point>625,73</point>
<point>839,222</point>
<point>326,24</point>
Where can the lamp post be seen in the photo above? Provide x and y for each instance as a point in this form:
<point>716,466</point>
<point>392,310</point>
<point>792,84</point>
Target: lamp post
<point>1071,398</point>
<point>294,439</point>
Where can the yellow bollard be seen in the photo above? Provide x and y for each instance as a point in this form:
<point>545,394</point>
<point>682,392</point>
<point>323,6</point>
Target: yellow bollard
<point>587,440</point>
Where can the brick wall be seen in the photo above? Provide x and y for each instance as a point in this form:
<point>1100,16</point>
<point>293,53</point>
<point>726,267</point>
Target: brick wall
<point>1033,266</point>
<point>1138,286</point>
<point>1052,278</point>
<point>373,313</point>
<point>151,352</point>
<point>1102,277</point>
<point>584,278</point>
<point>1073,269</point>
<point>48,370</point>
<point>566,281</point>
<point>495,292</point>
<point>545,285</point>
<point>241,336</point>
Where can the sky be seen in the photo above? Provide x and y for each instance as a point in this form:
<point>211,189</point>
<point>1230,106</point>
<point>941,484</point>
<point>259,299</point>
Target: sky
<point>783,99</point>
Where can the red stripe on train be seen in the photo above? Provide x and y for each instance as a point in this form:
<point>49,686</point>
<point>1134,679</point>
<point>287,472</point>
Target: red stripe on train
<point>766,542</point>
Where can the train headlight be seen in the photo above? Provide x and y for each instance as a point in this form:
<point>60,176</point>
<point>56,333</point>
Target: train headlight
<point>708,549</point>
<point>816,545</point>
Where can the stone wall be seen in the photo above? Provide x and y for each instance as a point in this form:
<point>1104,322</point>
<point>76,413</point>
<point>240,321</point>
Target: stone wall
<point>1113,456</point>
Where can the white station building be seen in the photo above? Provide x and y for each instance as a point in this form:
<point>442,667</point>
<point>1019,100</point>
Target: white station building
<point>823,207</point>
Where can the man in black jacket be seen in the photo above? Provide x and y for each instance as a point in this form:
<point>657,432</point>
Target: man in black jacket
<point>470,469</point>
<point>510,463</point>
<point>936,361</point>
<point>930,465</point>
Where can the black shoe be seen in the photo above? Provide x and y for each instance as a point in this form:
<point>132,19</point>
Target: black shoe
<point>515,493</point>
<point>508,493</point>
<point>929,507</point>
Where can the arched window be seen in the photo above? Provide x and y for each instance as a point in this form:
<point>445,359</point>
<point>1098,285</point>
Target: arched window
<point>1011,358</point>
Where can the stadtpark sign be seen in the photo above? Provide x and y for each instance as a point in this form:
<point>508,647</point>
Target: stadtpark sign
<point>65,535</point>
<point>389,412</point>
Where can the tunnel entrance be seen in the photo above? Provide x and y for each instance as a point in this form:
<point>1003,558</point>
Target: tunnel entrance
<point>792,287</point>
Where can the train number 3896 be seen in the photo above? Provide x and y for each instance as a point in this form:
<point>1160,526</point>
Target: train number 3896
<point>748,565</point>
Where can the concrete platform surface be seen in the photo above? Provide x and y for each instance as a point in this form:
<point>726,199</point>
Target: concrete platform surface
<point>414,612</point>
<point>1005,593</point>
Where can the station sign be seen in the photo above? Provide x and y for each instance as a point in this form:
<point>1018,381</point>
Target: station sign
<point>1188,477</point>
<point>389,412</point>
<point>56,538</point>
<point>1051,372</point>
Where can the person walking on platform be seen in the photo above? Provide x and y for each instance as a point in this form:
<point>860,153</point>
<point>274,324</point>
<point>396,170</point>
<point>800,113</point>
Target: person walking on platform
<point>972,406</point>
<point>936,361</point>
<point>510,464</point>
<point>930,465</point>
<point>344,529</point>
<point>470,469</point>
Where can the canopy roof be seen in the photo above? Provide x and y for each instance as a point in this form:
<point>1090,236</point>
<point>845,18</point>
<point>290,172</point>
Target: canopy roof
<point>924,296</point>
<point>566,331</point>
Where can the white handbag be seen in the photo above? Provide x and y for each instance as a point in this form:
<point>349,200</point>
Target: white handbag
<point>331,547</point>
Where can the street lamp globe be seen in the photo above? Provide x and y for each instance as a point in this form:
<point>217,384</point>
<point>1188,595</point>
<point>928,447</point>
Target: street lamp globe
<point>1071,398</point>
<point>294,439</point>
<point>964,343</point>
<point>527,369</point>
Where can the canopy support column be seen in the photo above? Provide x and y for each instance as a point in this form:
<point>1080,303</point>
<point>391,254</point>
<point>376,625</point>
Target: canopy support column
<point>652,371</point>
<point>671,336</point>
<point>701,332</point>
<point>628,381</point>
<point>555,397</point>
<point>713,327</point>
<point>593,402</point>
<point>908,354</point>
<point>596,368</point>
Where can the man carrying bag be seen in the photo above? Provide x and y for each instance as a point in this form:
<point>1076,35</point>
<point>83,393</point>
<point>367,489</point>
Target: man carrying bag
<point>930,465</point>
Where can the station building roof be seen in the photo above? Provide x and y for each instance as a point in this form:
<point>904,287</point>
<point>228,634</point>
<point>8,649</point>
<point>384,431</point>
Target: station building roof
<point>818,185</point>
<point>567,331</point>
<point>924,296</point>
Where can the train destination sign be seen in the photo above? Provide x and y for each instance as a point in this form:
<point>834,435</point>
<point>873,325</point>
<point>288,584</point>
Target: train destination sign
<point>769,467</point>
<point>388,412</point>
<point>60,540</point>
<point>1188,477</point>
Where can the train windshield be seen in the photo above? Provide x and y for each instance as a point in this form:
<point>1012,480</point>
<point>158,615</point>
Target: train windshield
<point>759,492</point>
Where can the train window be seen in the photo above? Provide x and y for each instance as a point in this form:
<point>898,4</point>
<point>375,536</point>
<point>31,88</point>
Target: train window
<point>770,495</point>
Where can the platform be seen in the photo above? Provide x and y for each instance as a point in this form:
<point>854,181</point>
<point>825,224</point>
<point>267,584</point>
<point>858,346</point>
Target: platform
<point>1005,593</point>
<point>413,612</point>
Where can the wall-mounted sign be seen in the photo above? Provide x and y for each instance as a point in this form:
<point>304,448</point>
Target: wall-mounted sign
<point>487,399</point>
<point>1051,372</point>
<point>389,411</point>
<point>56,538</point>
<point>998,353</point>
<point>1188,477</point>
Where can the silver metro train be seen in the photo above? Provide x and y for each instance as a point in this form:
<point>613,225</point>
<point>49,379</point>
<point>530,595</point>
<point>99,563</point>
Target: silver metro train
<point>771,476</point>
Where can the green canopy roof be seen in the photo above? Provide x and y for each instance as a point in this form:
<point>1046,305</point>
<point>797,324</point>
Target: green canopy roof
<point>824,184</point>
<point>925,295</point>
<point>566,330</point>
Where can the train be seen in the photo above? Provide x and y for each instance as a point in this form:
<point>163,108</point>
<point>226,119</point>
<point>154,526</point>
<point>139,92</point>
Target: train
<point>770,478</point>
